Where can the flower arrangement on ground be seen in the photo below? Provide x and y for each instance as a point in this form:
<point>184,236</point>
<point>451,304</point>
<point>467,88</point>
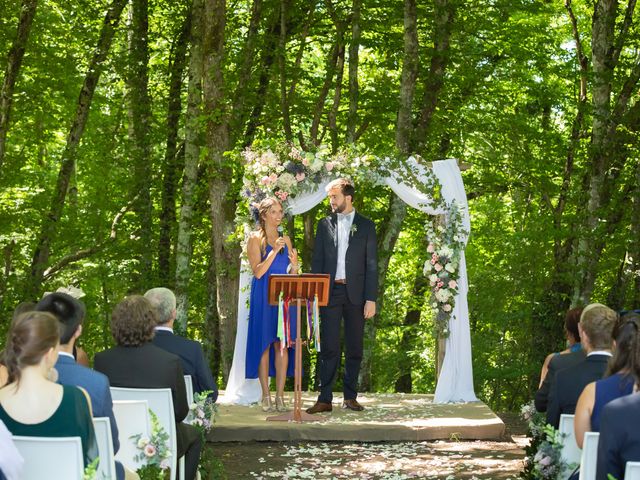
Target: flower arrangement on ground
<point>543,460</point>
<point>446,242</point>
<point>154,451</point>
<point>202,412</point>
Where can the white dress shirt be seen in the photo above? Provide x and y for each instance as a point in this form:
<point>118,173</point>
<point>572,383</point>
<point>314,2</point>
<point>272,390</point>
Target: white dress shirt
<point>344,233</point>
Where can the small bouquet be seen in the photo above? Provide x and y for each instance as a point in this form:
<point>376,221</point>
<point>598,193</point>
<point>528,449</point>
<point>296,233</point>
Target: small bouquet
<point>202,412</point>
<point>154,451</point>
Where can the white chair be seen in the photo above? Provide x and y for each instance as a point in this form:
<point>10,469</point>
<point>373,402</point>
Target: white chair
<point>107,465</point>
<point>570,451</point>
<point>132,417</point>
<point>632,471</point>
<point>589,459</point>
<point>161,403</point>
<point>188,383</point>
<point>53,458</point>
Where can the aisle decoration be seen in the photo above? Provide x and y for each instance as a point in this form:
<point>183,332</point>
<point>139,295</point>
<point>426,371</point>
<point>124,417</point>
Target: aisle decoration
<point>154,451</point>
<point>203,412</point>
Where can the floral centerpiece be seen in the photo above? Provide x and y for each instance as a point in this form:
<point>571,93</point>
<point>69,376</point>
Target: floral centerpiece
<point>154,451</point>
<point>202,412</point>
<point>446,242</point>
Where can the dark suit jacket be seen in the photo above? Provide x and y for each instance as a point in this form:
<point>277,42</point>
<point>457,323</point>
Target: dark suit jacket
<point>193,361</point>
<point>361,262</point>
<point>146,366</point>
<point>568,384</point>
<point>557,363</point>
<point>619,440</point>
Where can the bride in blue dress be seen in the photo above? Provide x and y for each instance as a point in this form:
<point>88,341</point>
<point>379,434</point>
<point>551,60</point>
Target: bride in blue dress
<point>269,253</point>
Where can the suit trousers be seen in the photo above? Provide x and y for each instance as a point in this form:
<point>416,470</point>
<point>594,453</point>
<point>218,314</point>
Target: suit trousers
<point>189,445</point>
<point>340,308</point>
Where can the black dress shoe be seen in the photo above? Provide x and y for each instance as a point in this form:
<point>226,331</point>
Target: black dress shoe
<point>320,407</point>
<point>352,404</point>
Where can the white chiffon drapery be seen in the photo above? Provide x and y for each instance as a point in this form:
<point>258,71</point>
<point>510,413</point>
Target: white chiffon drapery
<point>455,383</point>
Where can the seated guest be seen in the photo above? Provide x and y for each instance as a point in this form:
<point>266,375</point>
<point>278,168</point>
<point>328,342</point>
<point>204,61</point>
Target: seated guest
<point>617,383</point>
<point>189,351</point>
<point>32,405</point>
<point>572,335</point>
<point>596,330</point>
<point>70,313</point>
<point>557,362</point>
<point>20,309</point>
<point>136,362</point>
<point>10,459</point>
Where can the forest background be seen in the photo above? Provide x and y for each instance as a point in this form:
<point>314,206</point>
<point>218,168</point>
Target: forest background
<point>122,123</point>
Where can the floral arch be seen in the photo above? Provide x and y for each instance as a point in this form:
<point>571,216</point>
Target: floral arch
<point>299,178</point>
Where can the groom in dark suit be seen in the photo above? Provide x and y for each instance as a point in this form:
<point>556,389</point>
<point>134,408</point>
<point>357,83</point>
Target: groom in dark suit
<point>345,248</point>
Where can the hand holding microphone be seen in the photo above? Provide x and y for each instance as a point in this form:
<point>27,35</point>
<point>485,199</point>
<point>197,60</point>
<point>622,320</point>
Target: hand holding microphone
<point>280,242</point>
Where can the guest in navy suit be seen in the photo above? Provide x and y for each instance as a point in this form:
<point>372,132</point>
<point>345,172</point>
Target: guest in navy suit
<point>189,351</point>
<point>596,332</point>
<point>345,248</point>
<point>70,313</point>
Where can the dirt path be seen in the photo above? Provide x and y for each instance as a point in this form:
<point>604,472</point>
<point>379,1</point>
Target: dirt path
<point>446,460</point>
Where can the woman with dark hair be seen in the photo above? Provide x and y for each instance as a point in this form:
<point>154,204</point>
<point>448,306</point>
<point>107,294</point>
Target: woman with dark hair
<point>31,404</point>
<point>135,362</point>
<point>618,380</point>
<point>571,320</point>
<point>269,253</point>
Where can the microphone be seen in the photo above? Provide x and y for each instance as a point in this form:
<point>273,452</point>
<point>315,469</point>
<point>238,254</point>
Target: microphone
<point>280,233</point>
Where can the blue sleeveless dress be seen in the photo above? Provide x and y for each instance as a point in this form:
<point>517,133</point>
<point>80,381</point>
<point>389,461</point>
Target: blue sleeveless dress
<point>263,320</point>
<point>608,389</point>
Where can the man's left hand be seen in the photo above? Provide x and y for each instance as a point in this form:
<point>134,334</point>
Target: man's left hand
<point>369,309</point>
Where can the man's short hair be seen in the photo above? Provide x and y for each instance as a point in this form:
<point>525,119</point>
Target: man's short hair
<point>164,301</point>
<point>69,311</point>
<point>598,322</point>
<point>132,321</point>
<point>344,184</point>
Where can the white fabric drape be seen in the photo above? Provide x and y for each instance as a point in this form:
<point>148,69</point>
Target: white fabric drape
<point>455,383</point>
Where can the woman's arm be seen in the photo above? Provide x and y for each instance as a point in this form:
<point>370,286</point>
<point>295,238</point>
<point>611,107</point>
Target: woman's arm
<point>259,266</point>
<point>584,408</point>
<point>293,256</point>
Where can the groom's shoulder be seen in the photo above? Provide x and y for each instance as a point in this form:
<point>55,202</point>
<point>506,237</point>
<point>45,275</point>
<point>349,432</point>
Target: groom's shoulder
<point>366,221</point>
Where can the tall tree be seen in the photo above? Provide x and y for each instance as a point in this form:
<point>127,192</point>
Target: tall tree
<point>49,223</point>
<point>16,54</point>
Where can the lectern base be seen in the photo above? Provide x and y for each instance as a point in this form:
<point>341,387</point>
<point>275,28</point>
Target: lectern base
<point>289,417</point>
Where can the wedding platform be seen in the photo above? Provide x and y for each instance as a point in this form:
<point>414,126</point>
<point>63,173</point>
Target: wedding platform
<point>387,417</point>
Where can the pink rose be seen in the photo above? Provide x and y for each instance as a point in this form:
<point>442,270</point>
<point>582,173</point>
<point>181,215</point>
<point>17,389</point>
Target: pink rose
<point>435,257</point>
<point>273,177</point>
<point>437,267</point>
<point>453,284</point>
<point>282,195</point>
<point>300,176</point>
<point>446,307</point>
<point>440,283</point>
<point>149,450</point>
<point>305,162</point>
<point>265,180</point>
<point>431,248</point>
<point>432,261</point>
<point>329,166</point>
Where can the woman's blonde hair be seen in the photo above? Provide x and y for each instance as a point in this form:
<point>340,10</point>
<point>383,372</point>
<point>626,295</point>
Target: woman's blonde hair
<point>263,208</point>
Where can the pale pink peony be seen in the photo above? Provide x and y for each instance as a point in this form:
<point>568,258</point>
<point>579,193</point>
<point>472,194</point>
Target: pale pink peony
<point>446,307</point>
<point>453,284</point>
<point>300,176</point>
<point>149,450</point>
<point>437,267</point>
<point>273,177</point>
<point>431,248</point>
<point>305,161</point>
<point>329,166</point>
<point>265,180</point>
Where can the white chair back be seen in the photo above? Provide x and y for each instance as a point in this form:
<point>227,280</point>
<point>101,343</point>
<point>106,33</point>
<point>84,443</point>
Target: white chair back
<point>107,465</point>
<point>188,383</point>
<point>570,451</point>
<point>161,403</point>
<point>53,458</point>
<point>632,471</point>
<point>589,459</point>
<point>132,417</point>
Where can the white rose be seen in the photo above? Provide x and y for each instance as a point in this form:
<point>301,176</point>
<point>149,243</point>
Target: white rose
<point>433,278</point>
<point>280,168</point>
<point>449,268</point>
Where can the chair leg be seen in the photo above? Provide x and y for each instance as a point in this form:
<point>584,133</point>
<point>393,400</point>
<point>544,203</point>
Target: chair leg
<point>181,467</point>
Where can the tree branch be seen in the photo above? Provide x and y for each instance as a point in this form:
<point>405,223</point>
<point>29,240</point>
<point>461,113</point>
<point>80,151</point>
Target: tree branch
<point>624,30</point>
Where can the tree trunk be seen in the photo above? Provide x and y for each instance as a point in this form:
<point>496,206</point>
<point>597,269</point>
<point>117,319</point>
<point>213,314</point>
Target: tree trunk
<point>16,54</point>
<point>139,128</point>
<point>354,58</point>
<point>225,252</point>
<point>333,113</point>
<point>171,167</point>
<point>332,59</point>
<point>193,142</point>
<point>48,228</point>
<point>282,64</point>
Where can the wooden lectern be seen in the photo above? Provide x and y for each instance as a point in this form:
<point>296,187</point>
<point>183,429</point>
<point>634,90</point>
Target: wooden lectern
<point>298,288</point>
